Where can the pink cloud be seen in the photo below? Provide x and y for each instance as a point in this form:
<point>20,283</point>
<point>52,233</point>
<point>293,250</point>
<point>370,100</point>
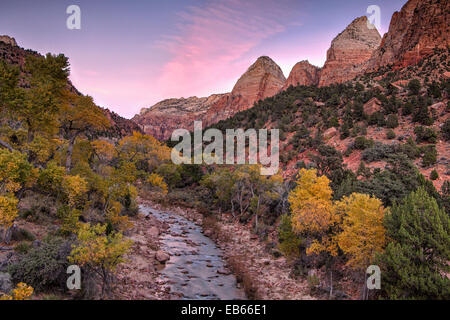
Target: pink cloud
<point>212,47</point>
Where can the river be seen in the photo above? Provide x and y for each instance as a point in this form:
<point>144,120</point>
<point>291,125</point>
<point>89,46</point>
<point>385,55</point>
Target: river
<point>196,269</point>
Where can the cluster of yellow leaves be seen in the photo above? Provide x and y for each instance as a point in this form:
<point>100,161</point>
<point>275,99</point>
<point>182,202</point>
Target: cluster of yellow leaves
<point>97,249</point>
<point>21,292</point>
<point>122,223</point>
<point>15,171</point>
<point>354,224</point>
<point>140,147</point>
<point>312,208</point>
<point>104,150</point>
<point>363,234</point>
<point>157,181</point>
<point>74,187</point>
<point>8,210</point>
<point>43,147</point>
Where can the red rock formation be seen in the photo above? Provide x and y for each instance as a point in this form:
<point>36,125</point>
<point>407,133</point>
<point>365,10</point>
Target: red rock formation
<point>166,116</point>
<point>303,73</point>
<point>419,27</point>
<point>8,40</point>
<point>349,52</point>
<point>263,79</point>
<point>371,106</point>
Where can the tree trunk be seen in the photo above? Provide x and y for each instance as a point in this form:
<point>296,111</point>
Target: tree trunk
<point>331,283</point>
<point>69,154</point>
<point>6,145</point>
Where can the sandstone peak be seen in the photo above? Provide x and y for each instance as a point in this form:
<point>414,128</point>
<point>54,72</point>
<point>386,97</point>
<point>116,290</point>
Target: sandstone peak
<point>303,73</point>
<point>414,31</point>
<point>8,40</point>
<point>349,52</point>
<point>262,79</point>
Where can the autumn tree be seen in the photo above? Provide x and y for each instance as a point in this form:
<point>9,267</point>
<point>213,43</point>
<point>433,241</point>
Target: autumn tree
<point>99,252</point>
<point>80,116</point>
<point>15,174</point>
<point>311,205</point>
<point>363,233</point>
<point>40,103</point>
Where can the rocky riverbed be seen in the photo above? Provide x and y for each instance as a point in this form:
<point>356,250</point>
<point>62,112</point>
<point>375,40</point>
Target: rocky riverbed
<point>193,265</point>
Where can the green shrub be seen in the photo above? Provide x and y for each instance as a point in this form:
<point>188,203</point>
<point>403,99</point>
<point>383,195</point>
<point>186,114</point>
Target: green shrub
<point>390,134</point>
<point>430,157</point>
<point>289,242</point>
<point>414,86</point>
<point>43,267</point>
<point>22,247</point>
<point>424,134</point>
<point>445,130</point>
<point>362,143</point>
<point>392,121</point>
<point>434,175</point>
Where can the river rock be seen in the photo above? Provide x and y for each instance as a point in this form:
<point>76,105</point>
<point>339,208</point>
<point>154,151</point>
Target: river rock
<point>153,232</point>
<point>224,271</point>
<point>162,256</point>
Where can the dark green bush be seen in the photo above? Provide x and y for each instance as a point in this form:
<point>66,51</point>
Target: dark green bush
<point>362,143</point>
<point>434,175</point>
<point>424,134</point>
<point>43,267</point>
<point>390,134</point>
<point>392,121</point>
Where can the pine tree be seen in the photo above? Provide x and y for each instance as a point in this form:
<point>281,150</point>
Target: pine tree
<point>416,261</point>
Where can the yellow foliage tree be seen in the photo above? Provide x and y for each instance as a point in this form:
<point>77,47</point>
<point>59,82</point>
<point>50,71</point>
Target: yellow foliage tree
<point>100,252</point>
<point>74,187</point>
<point>363,233</point>
<point>311,205</point>
<point>8,211</point>
<point>143,148</point>
<point>21,292</point>
<point>155,180</point>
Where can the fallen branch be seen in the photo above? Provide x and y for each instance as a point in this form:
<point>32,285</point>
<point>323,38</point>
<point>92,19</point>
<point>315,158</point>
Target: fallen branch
<point>6,145</point>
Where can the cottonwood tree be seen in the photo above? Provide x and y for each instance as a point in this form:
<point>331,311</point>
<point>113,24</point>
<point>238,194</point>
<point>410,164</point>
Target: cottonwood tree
<point>100,252</point>
<point>80,116</point>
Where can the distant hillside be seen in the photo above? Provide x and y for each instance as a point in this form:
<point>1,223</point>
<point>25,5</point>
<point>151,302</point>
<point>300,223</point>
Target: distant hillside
<point>11,53</point>
<point>363,123</point>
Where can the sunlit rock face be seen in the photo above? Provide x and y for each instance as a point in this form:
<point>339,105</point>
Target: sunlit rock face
<point>350,52</point>
<point>303,74</point>
<point>263,79</point>
<point>414,32</point>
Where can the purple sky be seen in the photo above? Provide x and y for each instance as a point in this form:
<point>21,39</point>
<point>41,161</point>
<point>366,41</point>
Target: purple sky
<point>132,54</point>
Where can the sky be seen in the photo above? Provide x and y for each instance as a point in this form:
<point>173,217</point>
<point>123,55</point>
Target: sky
<point>131,54</point>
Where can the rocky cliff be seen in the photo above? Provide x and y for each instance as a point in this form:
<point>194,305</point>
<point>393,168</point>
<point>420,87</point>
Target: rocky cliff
<point>419,27</point>
<point>350,52</point>
<point>303,73</point>
<point>262,79</point>
<point>8,40</point>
